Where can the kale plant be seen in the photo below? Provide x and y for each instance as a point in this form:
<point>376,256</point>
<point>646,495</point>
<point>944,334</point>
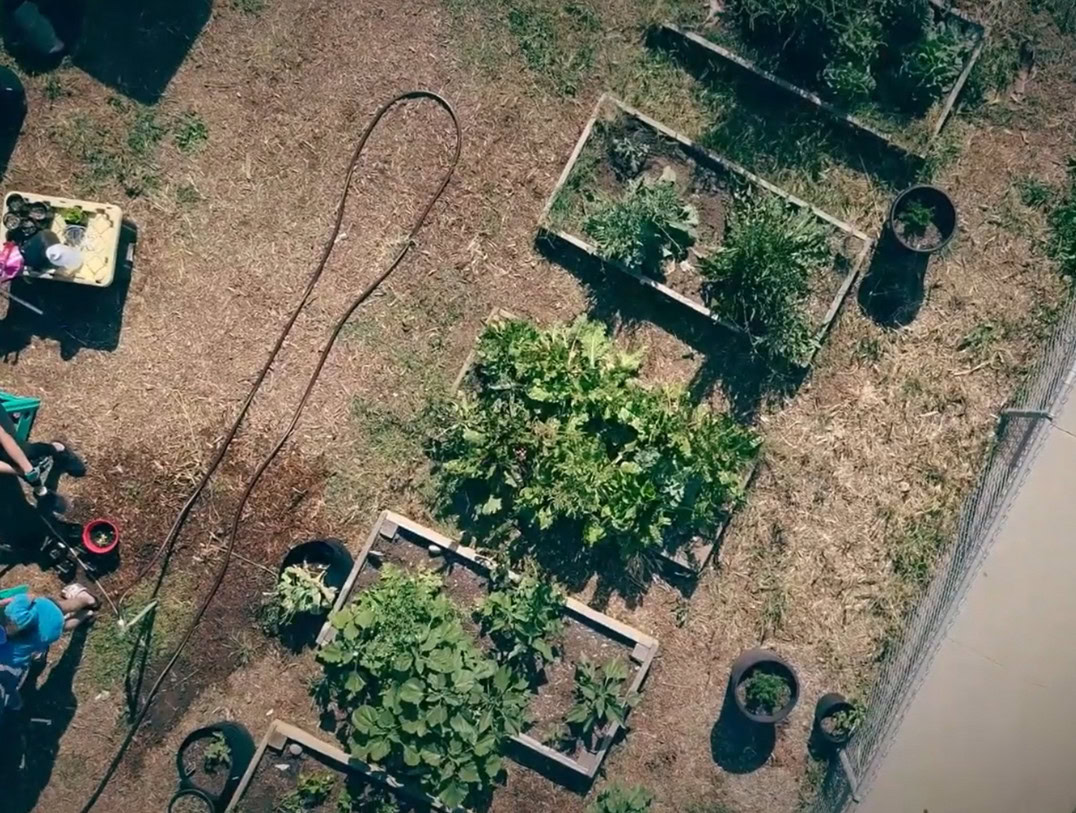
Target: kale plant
<point>758,279</point>
<point>558,447</point>
<point>765,692</point>
<point>648,224</point>
<point>598,699</point>
<point>523,619</point>
<point>300,590</point>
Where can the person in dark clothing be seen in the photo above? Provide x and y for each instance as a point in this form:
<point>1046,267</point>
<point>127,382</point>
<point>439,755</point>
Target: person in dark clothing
<point>37,464</point>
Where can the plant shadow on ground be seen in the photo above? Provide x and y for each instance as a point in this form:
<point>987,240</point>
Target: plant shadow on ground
<point>75,317</point>
<point>764,127</point>
<point>746,380</point>
<point>893,289</point>
<point>738,745</point>
<point>31,739</point>
<point>136,46</point>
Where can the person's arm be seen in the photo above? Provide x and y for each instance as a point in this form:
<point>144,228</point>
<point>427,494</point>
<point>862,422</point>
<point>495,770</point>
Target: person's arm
<point>14,451</point>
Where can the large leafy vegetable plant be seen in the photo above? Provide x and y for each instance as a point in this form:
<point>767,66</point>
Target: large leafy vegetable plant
<point>617,798</point>
<point>299,591</point>
<point>417,695</point>
<point>523,619</point>
<point>598,697</point>
<point>758,278</point>
<point>647,224</point>
<point>558,446</point>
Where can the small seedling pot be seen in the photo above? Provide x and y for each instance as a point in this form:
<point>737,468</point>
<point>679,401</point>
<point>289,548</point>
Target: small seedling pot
<point>12,221</point>
<point>827,706</point>
<point>192,800</point>
<point>329,552</point>
<point>763,660</point>
<point>944,219</point>
<point>40,212</point>
<point>241,751</point>
<point>97,528</point>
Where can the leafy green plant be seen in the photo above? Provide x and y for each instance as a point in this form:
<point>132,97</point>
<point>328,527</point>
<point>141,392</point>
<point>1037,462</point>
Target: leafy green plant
<point>416,694</point>
<point>627,155</point>
<point>1034,192</point>
<point>191,131</point>
<point>617,798</point>
<point>843,723</point>
<point>300,590</point>
<point>850,46</point>
<point>311,789</point>
<point>758,279</point>
<point>1062,242</point>
<point>523,620</point>
<point>217,754</point>
<point>765,692</point>
<point>75,216</point>
<point>598,699</point>
<point>648,224</point>
<point>558,448</point>
<point>915,218</point>
<point>929,69</point>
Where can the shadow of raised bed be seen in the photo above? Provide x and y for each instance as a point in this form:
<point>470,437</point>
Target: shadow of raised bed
<point>766,125</point>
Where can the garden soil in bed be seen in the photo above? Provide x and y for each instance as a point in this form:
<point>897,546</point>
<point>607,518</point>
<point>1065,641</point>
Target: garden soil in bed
<point>709,190</point>
<point>466,587</point>
<point>277,775</point>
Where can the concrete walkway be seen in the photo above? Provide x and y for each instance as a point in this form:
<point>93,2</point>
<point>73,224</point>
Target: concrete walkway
<point>991,727</point>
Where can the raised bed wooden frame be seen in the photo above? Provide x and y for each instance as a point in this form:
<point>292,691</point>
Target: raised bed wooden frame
<point>705,157</point>
<point>677,564</point>
<point>281,734</point>
<point>644,647</point>
<point>892,142</point>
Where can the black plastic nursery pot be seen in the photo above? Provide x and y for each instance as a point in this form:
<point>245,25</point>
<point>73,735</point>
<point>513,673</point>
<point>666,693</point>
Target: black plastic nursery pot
<point>827,706</point>
<point>943,219</point>
<point>332,553</point>
<point>192,800</point>
<point>763,660</point>
<point>241,751</point>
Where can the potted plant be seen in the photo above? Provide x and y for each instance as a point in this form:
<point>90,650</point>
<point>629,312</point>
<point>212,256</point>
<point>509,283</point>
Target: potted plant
<point>100,536</point>
<point>310,577</point>
<point>764,686</point>
<point>211,761</point>
<point>922,219</point>
<point>836,718</point>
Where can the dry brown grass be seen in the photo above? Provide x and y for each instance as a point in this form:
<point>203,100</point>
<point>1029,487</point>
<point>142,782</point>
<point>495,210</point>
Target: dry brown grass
<point>883,439</point>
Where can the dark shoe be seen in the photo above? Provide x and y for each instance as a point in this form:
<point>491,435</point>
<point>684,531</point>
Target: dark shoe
<point>53,503</point>
<point>70,462</point>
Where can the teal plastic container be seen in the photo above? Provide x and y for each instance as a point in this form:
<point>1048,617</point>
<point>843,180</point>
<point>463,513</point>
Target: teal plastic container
<point>22,412</point>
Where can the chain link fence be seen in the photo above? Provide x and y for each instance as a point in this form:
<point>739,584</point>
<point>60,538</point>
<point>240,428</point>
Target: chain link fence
<point>1017,433</point>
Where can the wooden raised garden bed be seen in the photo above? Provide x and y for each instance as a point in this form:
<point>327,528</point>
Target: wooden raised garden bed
<point>587,634</point>
<point>275,769</point>
<point>911,136</point>
<point>684,562</point>
<point>708,182</point>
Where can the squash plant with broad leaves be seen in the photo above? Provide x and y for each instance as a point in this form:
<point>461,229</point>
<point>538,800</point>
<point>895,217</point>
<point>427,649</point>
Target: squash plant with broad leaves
<point>558,445</point>
<point>418,696</point>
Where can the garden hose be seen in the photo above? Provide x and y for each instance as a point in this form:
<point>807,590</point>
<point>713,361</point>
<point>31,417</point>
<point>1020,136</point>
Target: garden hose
<point>168,546</point>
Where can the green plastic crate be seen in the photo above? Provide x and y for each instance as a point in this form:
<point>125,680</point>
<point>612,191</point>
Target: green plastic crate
<point>22,412</point>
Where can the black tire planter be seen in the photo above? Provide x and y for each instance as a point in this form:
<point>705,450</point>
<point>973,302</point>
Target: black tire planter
<point>332,553</point>
<point>763,660</point>
<point>945,219</point>
<point>338,561</point>
<point>241,747</point>
<point>181,801</point>
<point>827,706</point>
